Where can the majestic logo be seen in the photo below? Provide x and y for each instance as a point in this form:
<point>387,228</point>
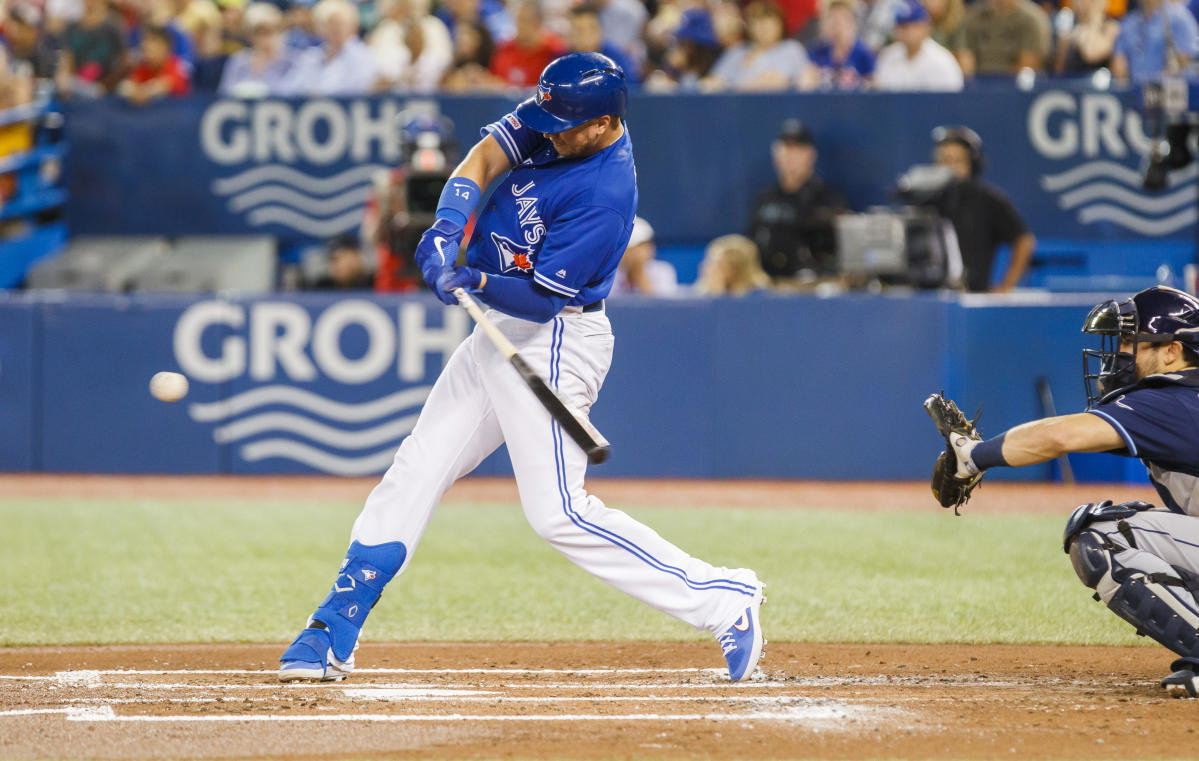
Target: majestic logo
<point>561,273</point>
<point>1106,142</point>
<point>513,256</point>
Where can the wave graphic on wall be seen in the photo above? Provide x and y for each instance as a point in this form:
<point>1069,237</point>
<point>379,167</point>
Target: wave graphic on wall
<point>320,207</point>
<point>1104,191</point>
<point>315,431</point>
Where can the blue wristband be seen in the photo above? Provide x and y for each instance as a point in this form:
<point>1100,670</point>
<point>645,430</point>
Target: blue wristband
<point>458,200</point>
<point>989,453</point>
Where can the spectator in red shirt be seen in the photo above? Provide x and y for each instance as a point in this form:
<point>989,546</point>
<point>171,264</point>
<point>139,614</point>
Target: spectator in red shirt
<point>159,73</point>
<point>519,61</point>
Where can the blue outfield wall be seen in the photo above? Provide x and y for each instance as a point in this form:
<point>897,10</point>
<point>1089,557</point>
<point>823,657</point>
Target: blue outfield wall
<point>1069,158</point>
<point>763,386</point>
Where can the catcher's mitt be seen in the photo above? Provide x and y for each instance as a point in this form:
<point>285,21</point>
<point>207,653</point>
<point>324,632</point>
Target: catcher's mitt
<point>954,475</point>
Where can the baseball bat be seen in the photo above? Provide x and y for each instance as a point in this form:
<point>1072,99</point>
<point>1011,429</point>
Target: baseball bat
<point>1050,410</point>
<point>589,439</point>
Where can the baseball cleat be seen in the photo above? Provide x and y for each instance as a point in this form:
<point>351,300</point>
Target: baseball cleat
<point>1183,683</point>
<point>743,643</point>
<point>310,658</point>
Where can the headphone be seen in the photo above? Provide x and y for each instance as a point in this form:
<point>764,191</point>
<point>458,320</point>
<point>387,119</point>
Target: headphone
<point>968,139</point>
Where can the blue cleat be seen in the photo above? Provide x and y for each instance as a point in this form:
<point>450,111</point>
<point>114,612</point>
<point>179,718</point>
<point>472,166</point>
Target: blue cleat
<point>311,658</point>
<point>324,651</point>
<point>742,642</point>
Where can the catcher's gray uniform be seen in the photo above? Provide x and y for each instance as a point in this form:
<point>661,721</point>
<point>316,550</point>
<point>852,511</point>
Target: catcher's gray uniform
<point>1144,562</point>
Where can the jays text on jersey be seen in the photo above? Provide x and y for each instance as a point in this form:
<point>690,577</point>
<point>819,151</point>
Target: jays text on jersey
<point>564,222</point>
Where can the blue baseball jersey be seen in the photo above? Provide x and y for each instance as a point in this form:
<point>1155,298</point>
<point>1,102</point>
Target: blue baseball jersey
<point>563,222</point>
<point>1158,418</point>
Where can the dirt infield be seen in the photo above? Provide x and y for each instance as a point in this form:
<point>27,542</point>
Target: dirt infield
<point>594,701</point>
<point>994,496</point>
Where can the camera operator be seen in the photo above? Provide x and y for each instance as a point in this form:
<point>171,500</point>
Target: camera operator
<point>982,216</point>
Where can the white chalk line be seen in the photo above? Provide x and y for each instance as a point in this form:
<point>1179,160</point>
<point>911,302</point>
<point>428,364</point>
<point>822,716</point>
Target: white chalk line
<point>414,696</point>
<point>405,696</point>
<point>318,686</point>
<point>247,672</point>
<point>816,713</point>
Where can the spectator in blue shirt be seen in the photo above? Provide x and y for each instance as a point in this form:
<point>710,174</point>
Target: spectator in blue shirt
<point>841,60</point>
<point>301,33</point>
<point>766,62</point>
<point>689,55</point>
<point>586,35</point>
<point>491,13</point>
<point>262,69</point>
<point>342,65</point>
<point>1152,35</point>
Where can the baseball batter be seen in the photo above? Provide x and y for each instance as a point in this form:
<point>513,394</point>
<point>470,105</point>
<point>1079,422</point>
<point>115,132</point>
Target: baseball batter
<point>543,256</point>
<point>1143,401</point>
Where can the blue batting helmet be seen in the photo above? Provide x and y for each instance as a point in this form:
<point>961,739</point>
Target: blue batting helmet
<point>575,89</point>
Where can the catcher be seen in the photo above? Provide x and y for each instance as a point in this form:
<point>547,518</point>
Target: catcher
<point>1142,401</point>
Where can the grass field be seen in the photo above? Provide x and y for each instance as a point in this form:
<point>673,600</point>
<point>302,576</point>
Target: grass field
<point>116,571</point>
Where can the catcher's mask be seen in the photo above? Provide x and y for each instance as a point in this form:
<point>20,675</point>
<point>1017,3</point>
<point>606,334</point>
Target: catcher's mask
<point>1156,315</point>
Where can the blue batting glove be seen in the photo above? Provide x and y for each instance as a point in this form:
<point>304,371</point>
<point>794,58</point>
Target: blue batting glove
<point>438,249</point>
<point>433,277</point>
<point>468,278</point>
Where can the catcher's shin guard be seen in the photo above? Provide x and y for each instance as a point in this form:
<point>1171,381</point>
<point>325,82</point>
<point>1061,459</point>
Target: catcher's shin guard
<point>1157,604</point>
<point>364,572</point>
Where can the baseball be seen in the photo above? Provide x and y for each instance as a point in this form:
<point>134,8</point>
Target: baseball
<point>168,387</point>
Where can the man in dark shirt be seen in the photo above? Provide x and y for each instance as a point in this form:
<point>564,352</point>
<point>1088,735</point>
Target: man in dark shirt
<point>347,267</point>
<point>94,49</point>
<point>983,218</point>
<point>792,222</point>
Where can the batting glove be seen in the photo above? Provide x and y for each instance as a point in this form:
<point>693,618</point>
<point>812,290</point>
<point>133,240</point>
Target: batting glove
<point>438,250</point>
<point>467,278</point>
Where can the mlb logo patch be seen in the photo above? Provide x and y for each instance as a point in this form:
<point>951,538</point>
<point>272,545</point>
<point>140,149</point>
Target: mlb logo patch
<point>513,122</point>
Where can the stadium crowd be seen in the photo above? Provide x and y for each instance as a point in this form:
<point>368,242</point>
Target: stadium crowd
<point>146,49</point>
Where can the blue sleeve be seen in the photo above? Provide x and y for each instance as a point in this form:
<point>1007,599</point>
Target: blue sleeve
<point>1186,32</point>
<point>518,141</point>
<point>1121,45</point>
<point>818,56</point>
<point>576,244</point>
<point>521,297</point>
<point>865,59</point>
<point>1154,423</point>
